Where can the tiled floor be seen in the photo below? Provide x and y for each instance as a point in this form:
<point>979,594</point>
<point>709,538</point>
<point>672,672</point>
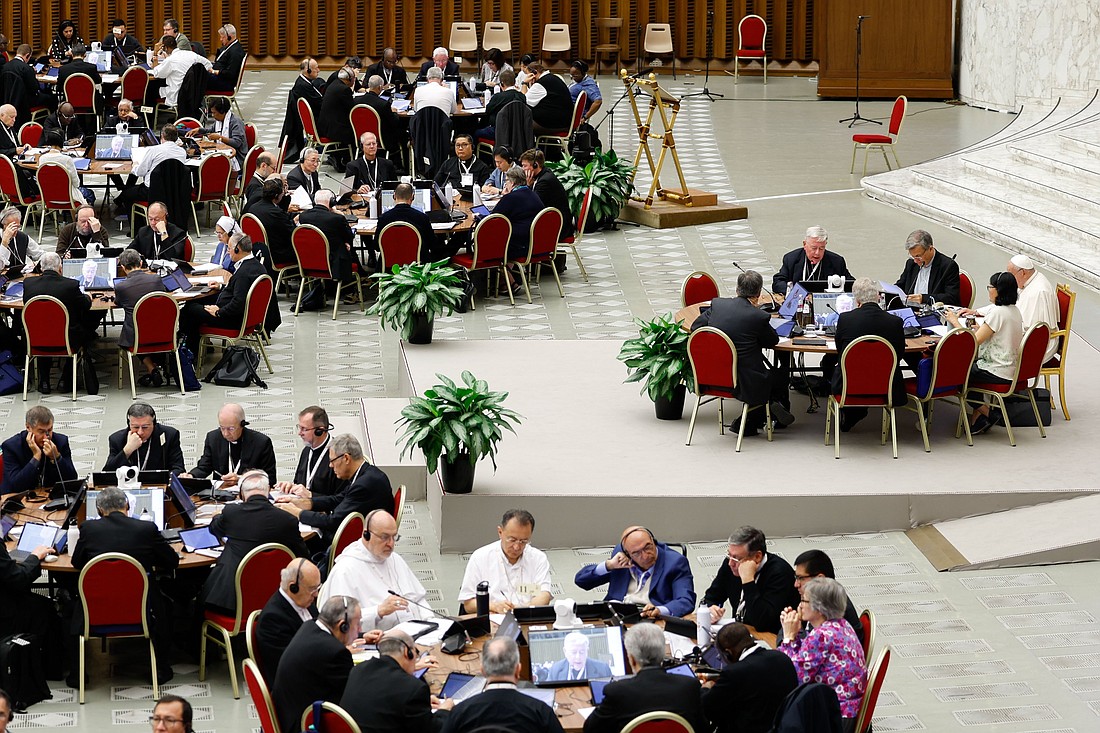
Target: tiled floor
<point>1012,650</point>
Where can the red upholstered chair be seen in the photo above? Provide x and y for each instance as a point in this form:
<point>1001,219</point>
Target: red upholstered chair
<point>542,246</point>
<point>659,721</point>
<point>156,321</point>
<point>334,719</point>
<point>349,531</point>
<point>314,138</point>
<point>114,590</point>
<point>867,621</point>
<point>232,94</point>
<point>312,247</point>
<point>282,153</point>
<point>881,142</point>
<point>257,579</point>
<point>1056,366</point>
<point>189,246</point>
<point>14,193</point>
<point>251,329</point>
<point>135,82</point>
<point>966,289</point>
<point>867,369</point>
<point>364,118</point>
<point>713,360</point>
<point>490,247</point>
<point>56,193</point>
<point>251,636</point>
<point>254,228</point>
<point>251,160</point>
<point>46,324</point>
<point>81,93</point>
<point>30,134</point>
<point>752,36</point>
<point>951,362</point>
<point>1028,365</point>
<point>261,696</point>
<point>399,498</point>
<point>249,135</point>
<point>215,176</point>
<point>399,244</point>
<point>698,287</point>
<point>876,674</point>
<point>561,139</point>
<point>572,242</point>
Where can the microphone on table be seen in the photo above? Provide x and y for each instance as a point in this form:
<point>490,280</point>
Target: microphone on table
<point>456,638</point>
<point>770,307</point>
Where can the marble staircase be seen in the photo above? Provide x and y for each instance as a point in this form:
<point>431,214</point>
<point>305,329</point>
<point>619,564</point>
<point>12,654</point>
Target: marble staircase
<point>1033,187</point>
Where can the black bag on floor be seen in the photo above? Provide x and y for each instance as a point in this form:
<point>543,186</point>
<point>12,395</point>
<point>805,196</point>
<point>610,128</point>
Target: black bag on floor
<point>22,674</point>
<point>1020,412</point>
<point>468,290</point>
<point>11,376</point>
<point>237,368</point>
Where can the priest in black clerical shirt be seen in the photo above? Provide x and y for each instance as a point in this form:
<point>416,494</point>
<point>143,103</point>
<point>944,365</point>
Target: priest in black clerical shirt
<point>314,474</point>
<point>233,449</point>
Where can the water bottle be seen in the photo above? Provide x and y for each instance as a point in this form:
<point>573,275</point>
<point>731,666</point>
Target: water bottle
<point>149,56</point>
<point>73,535</point>
<point>482,597</point>
<point>702,626</point>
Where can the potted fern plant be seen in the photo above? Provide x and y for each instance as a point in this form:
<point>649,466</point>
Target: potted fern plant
<point>410,297</point>
<point>455,426</point>
<point>658,359</point>
<point>606,174</point>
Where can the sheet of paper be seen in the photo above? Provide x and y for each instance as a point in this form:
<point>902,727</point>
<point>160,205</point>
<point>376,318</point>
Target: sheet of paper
<point>938,330</point>
<point>585,712</point>
<point>443,226</point>
<point>300,198</point>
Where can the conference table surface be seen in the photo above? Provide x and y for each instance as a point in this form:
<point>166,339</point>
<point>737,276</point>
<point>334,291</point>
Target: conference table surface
<point>125,167</point>
<point>103,300</point>
<point>371,228</point>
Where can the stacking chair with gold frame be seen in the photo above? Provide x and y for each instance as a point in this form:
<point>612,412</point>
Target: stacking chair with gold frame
<point>698,287</point>
<point>350,530</point>
<point>658,721</point>
<point>867,366</point>
<point>260,692</point>
<point>334,719</point>
<point>1028,365</point>
<point>951,362</point>
<point>713,360</point>
<point>869,141</point>
<point>1056,365</point>
<point>876,674</point>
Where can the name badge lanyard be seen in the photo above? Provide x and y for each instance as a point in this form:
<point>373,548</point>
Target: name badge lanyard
<point>311,471</point>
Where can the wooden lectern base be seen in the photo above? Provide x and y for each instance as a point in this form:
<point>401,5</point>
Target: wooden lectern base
<point>667,215</point>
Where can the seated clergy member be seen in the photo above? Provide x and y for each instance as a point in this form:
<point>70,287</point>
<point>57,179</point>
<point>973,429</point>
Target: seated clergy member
<point>441,60</point>
<point>314,475</point>
<point>232,449</point>
<point>19,253</point>
<point>144,443</point>
<point>228,60</point>
<point>431,249</point>
<point>543,182</point>
<point>334,122</point>
<point>225,127</point>
<point>82,320</point>
<point>929,275</point>
<point>294,604</point>
<point>244,527</point>
<point>278,225</point>
<point>369,570</point>
<point>501,706</point>
<point>390,129</point>
<point>434,94</point>
<point>265,166</point>
<point>757,583</point>
<point>517,574</point>
<point>36,457</point>
<point>383,696</point>
<point>649,690</point>
<point>464,170</point>
<point>575,664</point>
<point>749,691</point>
<point>811,263</point>
<point>304,175</point>
<point>1037,298</point>
<point>116,531</point>
<point>168,149</point>
<point>549,99</point>
<point>228,307</point>
<point>363,489</point>
<point>371,170</point>
<point>645,571</point>
<point>76,237</point>
<point>336,230</point>
<point>316,663</point>
<point>816,564</point>
<point>389,68</point>
<point>138,283</point>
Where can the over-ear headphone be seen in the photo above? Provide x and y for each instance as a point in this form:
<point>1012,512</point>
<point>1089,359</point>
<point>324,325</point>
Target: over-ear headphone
<point>294,587</point>
<point>236,249</point>
<point>321,431</point>
<point>244,423</point>
<point>636,528</point>
<point>345,624</point>
<point>410,653</point>
<point>366,524</point>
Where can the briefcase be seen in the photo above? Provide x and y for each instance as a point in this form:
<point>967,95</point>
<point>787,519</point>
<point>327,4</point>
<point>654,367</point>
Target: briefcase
<point>1020,412</point>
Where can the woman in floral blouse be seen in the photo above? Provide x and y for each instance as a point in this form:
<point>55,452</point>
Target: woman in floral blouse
<point>830,653</point>
<point>61,50</point>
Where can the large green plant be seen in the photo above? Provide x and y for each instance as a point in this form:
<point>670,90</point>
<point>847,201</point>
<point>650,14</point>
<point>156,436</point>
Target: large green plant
<point>606,174</point>
<point>658,356</point>
<point>456,419</point>
<point>431,288</point>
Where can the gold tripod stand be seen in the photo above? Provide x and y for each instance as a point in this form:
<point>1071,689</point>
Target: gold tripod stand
<point>668,107</point>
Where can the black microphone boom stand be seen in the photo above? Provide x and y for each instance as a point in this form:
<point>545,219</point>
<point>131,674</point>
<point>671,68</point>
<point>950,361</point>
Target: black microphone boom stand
<point>710,55</point>
<point>859,52</point>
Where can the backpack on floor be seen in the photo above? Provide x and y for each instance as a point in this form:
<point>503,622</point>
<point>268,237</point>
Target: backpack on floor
<point>22,674</point>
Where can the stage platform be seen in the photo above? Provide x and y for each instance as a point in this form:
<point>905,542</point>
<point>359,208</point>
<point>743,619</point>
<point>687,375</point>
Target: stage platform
<point>590,457</point>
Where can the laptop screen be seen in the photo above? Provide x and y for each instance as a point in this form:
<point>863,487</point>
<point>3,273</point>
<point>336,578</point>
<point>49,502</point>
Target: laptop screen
<point>143,503</point>
<point>182,500</point>
<point>422,195</point>
<point>37,535</point>
<point>92,273</point>
<point>575,656</point>
<point>176,280</point>
<point>115,147</point>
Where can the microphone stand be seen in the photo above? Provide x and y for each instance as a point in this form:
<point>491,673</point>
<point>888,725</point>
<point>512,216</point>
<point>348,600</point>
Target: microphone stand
<point>710,55</point>
<point>859,52</point>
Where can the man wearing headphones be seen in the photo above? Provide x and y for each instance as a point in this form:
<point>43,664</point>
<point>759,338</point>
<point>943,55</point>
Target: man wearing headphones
<point>316,663</point>
<point>370,569</point>
<point>383,696</point>
<point>314,474</point>
<point>245,527</point>
<point>292,605</point>
<point>749,691</point>
<point>144,443</point>
<point>758,584</point>
<point>232,449</point>
<point>643,571</point>
<point>138,283</point>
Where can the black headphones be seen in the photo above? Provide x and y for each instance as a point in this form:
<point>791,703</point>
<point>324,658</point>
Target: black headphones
<point>366,524</point>
<point>154,416</point>
<point>410,653</point>
<point>637,528</point>
<point>244,423</point>
<point>294,587</point>
<point>236,249</point>
<point>321,431</point>
<point>345,623</point>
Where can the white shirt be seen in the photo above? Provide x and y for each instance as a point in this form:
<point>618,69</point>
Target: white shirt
<point>156,155</point>
<point>174,68</point>
<point>360,574</point>
<point>998,354</point>
<point>535,92</point>
<point>507,582</point>
<point>435,95</point>
<point>65,162</point>
<point>303,613</point>
<point>1038,303</point>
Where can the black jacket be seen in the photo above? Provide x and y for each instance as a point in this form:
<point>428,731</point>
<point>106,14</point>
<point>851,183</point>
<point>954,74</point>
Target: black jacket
<point>373,174</point>
<point>553,194</point>
<point>771,592</point>
<point>811,708</point>
<point>383,698</point>
<point>555,110</point>
<point>127,293</point>
<point>870,320</point>
<point>234,296</point>
<point>420,220</point>
<point>749,329</point>
<point>68,292</point>
<point>228,61</point>
<point>943,280</point>
<point>21,471</point>
<point>795,261</point>
<point>162,452</point>
<point>502,709</point>
<point>292,123</point>
<point>278,225</point>
<point>748,693</point>
<point>334,122</point>
<point>452,170</point>
<point>255,451</point>
<point>451,69</point>
<point>297,178</point>
<point>56,133</point>
<point>151,246</point>
<point>245,527</point>
<point>117,532</point>
<point>276,626</point>
<point>431,131</point>
<point>498,100</point>
<point>335,228</point>
<point>392,133</point>
<point>324,480</point>
<point>398,74</point>
<point>20,88</point>
<point>16,579</point>
<point>650,689</point>
<point>315,666</point>
<point>520,207</point>
<point>369,491</point>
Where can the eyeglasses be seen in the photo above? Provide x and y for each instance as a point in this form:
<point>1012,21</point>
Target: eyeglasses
<point>802,577</point>
<point>332,461</point>
<point>385,538</point>
<point>155,720</point>
<point>516,541</point>
<point>646,549</point>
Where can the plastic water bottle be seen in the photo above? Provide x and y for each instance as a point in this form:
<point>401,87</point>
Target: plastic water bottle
<point>149,56</point>
<point>702,626</point>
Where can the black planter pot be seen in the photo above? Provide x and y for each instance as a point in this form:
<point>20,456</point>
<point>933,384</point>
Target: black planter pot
<point>671,408</point>
<point>422,329</point>
<point>458,475</point>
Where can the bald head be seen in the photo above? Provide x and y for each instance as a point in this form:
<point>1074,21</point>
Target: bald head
<point>306,576</point>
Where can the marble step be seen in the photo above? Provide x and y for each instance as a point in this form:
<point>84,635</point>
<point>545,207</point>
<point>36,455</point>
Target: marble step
<point>1031,180</point>
<point>1056,159</point>
<point>1079,141</point>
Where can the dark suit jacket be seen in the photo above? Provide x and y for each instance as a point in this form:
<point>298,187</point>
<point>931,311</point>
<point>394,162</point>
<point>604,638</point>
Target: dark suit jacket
<point>297,178</point>
<point>520,207</point>
<point>870,320</point>
<point>420,220</point>
<point>392,133</point>
<point>21,471</point>
<point>68,292</point>
<point>671,584</point>
<point>334,122</point>
<point>593,669</point>
<point>151,247</point>
<point>651,689</point>
<point>450,171</point>
<point>117,532</point>
<point>371,490</point>
<point>20,88</point>
<point>794,262</point>
<point>246,526</point>
<point>382,169</point>
<point>498,100</point>
<point>398,74</point>
<point>252,190</point>
<point>451,69</point>
<point>502,709</point>
<point>163,449</point>
<point>16,579</point>
<point>278,225</point>
<point>748,693</point>
<point>334,226</point>
<point>553,194</point>
<point>276,626</point>
<point>127,293</point>
<point>228,61</point>
<point>292,124</point>
<point>256,451</point>
<point>324,480</point>
<point>383,698</point>
<point>232,298</point>
<point>748,327</point>
<point>771,592</point>
<point>315,666</point>
<point>943,280</point>
<point>130,45</point>
<point>55,133</point>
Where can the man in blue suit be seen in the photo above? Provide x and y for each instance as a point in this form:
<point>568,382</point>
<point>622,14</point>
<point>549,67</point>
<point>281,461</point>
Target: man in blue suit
<point>643,570</point>
<point>576,665</point>
<point>37,456</point>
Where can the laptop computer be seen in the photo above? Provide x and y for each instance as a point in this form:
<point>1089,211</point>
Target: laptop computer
<point>93,273</point>
<point>460,686</point>
<point>550,667</point>
<point>115,146</point>
<point>64,493</point>
<point>176,281</point>
<point>36,534</point>
<point>197,538</point>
